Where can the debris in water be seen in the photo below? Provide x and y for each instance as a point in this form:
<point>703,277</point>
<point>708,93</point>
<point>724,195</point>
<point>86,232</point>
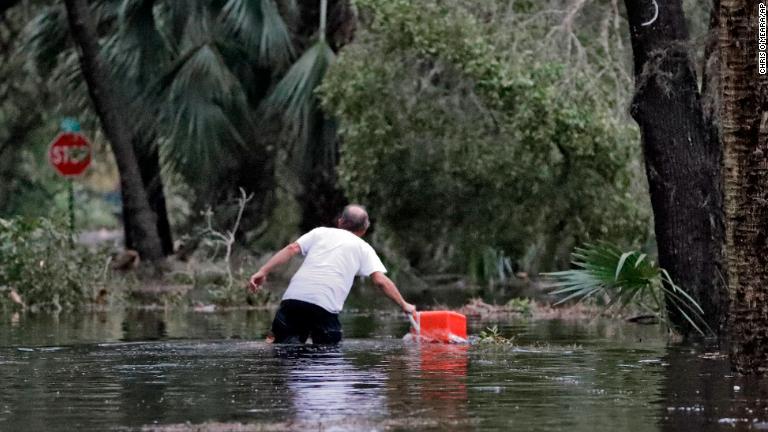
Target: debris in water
<point>489,389</point>
<point>206,308</point>
<point>732,421</point>
<point>713,356</point>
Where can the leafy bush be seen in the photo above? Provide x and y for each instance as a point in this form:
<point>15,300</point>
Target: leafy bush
<point>625,278</point>
<point>39,262</point>
<point>459,149</point>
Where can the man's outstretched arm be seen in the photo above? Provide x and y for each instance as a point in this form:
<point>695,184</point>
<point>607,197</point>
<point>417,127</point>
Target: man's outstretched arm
<point>278,259</point>
<point>391,291</point>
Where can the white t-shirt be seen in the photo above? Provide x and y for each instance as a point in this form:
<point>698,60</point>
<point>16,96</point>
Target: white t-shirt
<point>333,258</point>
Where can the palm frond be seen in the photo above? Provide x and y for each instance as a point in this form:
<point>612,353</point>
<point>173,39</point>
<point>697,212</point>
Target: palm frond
<point>625,278</point>
<point>259,25</point>
<point>46,37</point>
<point>137,52</point>
<point>293,98</point>
<point>106,12</point>
<point>175,17</point>
<point>204,112</point>
<point>68,77</point>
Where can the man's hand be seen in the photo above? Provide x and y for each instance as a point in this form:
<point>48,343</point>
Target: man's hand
<point>409,308</point>
<point>391,291</point>
<point>280,258</point>
<point>257,280</point>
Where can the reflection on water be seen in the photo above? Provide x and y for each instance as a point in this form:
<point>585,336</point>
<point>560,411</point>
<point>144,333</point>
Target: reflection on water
<point>445,365</point>
<point>325,386</point>
<point>443,374</point>
<point>700,393</point>
<point>174,370</point>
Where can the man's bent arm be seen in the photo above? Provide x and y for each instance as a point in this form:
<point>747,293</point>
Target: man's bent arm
<point>391,291</point>
<point>278,259</point>
<point>281,257</point>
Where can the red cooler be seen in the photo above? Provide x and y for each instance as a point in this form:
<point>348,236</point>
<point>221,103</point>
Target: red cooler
<point>440,326</point>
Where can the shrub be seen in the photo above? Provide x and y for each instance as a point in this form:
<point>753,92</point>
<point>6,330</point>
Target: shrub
<point>459,149</point>
<point>45,268</point>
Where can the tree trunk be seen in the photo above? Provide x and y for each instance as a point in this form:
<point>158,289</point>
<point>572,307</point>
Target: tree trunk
<point>682,164</point>
<point>341,25</point>
<point>149,165</point>
<point>137,214</point>
<point>743,124</point>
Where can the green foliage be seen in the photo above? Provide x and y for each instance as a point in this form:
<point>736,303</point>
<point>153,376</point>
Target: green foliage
<point>492,335</point>
<point>521,305</point>
<point>293,97</point>
<point>39,262</point>
<point>459,148</point>
<point>261,30</point>
<point>625,278</point>
<point>29,116</point>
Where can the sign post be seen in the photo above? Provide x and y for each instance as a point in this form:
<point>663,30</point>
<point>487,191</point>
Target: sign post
<point>70,155</point>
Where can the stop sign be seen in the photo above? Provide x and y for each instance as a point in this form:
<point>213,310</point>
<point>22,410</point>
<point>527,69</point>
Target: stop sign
<point>70,154</point>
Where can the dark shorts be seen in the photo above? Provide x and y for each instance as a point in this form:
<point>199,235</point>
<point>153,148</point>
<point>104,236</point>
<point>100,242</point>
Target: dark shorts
<point>297,320</point>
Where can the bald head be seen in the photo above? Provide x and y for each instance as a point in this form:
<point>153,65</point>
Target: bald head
<point>354,218</point>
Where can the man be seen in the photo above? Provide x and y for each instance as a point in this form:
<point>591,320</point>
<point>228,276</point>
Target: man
<point>316,293</point>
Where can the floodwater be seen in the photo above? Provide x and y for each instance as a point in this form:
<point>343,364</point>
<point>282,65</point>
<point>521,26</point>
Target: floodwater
<point>185,371</point>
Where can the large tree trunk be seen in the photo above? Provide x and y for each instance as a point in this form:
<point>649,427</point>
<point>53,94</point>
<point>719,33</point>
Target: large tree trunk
<point>137,213</point>
<point>149,165</point>
<point>744,120</point>
<point>682,164</point>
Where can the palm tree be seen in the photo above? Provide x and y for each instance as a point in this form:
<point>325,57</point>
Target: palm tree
<point>224,64</point>
<point>193,69</point>
<point>316,143</point>
<point>745,145</point>
<point>139,217</point>
<point>54,56</point>
<point>203,78</point>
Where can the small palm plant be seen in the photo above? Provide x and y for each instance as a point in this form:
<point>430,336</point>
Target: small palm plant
<point>625,278</point>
